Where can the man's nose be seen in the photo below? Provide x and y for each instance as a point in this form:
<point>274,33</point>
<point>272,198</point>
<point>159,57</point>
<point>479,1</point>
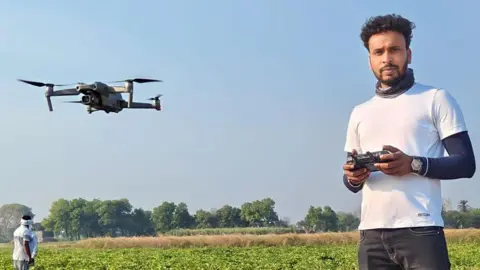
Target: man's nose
<point>387,57</point>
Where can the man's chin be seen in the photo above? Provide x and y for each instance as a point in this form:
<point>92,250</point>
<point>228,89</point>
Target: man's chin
<point>390,81</point>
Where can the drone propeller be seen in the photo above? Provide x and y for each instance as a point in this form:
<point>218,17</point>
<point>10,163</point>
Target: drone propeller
<point>48,92</point>
<point>41,84</point>
<point>73,101</point>
<point>138,80</point>
<point>155,97</point>
<point>129,86</point>
<point>156,103</point>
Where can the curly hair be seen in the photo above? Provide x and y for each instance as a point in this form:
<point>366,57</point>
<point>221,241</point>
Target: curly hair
<point>384,23</point>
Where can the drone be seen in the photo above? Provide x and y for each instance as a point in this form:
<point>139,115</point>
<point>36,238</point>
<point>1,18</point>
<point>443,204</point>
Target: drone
<point>99,96</point>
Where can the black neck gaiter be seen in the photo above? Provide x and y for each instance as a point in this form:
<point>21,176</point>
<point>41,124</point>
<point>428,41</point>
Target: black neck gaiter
<point>401,87</point>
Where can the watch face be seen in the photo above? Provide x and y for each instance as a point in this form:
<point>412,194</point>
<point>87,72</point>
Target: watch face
<point>416,164</point>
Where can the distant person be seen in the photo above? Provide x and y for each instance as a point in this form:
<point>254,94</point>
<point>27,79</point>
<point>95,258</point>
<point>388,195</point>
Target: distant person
<point>401,226</point>
<point>23,240</point>
<point>33,247</point>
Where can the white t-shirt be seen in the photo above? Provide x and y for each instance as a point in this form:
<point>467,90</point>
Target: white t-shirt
<point>20,235</point>
<point>414,122</point>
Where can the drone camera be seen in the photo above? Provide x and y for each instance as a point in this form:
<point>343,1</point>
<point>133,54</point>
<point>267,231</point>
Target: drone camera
<point>86,100</point>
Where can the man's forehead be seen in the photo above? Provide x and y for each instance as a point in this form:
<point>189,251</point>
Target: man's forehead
<point>386,40</point>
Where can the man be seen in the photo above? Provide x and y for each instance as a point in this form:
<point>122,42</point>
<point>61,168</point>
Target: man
<point>401,225</point>
<point>33,248</point>
<point>22,240</point>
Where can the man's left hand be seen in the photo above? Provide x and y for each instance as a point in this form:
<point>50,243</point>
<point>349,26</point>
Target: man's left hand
<point>398,164</point>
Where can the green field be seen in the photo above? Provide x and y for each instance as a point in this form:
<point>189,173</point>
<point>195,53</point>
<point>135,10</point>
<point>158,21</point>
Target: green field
<point>296,257</point>
<point>275,252</point>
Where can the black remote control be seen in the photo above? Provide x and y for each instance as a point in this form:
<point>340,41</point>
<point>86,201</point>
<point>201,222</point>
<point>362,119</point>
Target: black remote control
<point>366,160</point>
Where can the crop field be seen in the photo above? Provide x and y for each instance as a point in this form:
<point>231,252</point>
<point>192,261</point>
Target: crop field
<point>284,251</point>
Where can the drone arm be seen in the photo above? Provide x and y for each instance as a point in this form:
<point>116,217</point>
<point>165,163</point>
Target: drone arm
<point>118,89</point>
<point>142,105</point>
<point>65,92</point>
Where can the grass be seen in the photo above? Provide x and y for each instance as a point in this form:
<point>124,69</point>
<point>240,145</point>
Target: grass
<point>239,230</point>
<point>246,240</point>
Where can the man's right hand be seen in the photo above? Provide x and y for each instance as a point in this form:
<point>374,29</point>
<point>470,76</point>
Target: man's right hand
<point>355,176</point>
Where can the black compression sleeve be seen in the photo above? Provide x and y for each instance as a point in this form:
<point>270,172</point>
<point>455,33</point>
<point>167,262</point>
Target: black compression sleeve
<point>459,164</point>
<point>350,187</point>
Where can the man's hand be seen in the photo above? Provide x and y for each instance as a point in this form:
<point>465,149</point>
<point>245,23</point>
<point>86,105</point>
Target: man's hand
<point>355,176</point>
<point>398,164</point>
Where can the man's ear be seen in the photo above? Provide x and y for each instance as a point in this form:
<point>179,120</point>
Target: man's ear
<point>409,56</point>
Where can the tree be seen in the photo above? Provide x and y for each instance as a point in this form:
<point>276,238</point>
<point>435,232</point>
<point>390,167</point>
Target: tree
<point>141,223</point>
<point>330,219</point>
<point>10,216</point>
<point>205,219</point>
<point>229,217</point>
<point>259,213</point>
<point>313,220</point>
<point>59,219</point>
<point>446,205</point>
<point>162,217</point>
<point>181,217</point>
<point>347,221</point>
<point>463,206</point>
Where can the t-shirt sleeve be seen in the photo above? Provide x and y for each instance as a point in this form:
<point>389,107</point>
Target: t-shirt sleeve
<point>352,140</point>
<point>447,114</point>
<point>35,245</point>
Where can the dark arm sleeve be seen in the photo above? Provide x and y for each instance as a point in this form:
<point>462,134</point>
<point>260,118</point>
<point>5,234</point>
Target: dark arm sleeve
<point>459,164</point>
<point>350,187</point>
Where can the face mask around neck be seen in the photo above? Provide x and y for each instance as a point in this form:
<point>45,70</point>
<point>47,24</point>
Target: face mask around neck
<point>401,87</point>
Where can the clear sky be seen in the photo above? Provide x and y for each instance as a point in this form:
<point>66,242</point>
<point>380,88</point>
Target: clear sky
<point>257,96</point>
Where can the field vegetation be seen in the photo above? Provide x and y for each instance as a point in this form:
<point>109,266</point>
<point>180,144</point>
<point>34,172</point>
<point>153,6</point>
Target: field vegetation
<point>229,251</point>
<point>112,234</point>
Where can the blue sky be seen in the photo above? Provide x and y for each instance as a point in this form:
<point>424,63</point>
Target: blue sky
<point>256,101</point>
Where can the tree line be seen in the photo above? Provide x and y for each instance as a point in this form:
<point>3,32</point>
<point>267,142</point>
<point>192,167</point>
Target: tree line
<point>80,218</point>
<point>460,216</point>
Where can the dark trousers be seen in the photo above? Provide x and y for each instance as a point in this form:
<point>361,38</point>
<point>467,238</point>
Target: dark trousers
<point>406,248</point>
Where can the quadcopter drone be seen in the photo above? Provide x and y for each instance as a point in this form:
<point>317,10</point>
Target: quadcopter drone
<point>100,96</point>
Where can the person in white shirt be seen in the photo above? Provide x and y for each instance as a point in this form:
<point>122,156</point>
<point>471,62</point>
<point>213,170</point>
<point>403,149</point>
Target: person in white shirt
<point>401,225</point>
<point>23,240</point>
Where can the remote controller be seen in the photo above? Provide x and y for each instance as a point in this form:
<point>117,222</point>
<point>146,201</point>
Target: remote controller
<point>366,160</point>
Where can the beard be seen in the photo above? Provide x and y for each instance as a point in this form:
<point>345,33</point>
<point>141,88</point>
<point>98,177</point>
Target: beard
<point>393,80</point>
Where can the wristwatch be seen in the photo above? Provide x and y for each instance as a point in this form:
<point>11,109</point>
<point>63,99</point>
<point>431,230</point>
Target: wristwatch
<point>417,165</point>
